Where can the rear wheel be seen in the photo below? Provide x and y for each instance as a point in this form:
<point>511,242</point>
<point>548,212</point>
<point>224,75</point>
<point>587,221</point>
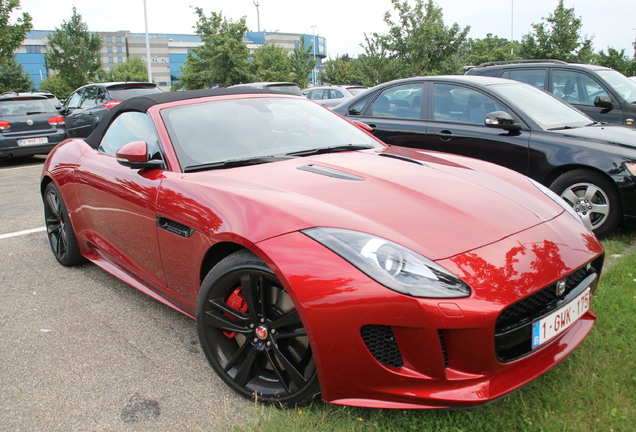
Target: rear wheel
<point>252,334</point>
<point>59,229</point>
<point>593,197</point>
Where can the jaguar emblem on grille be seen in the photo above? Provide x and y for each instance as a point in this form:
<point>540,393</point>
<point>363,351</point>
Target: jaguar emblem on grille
<point>560,288</point>
<point>29,122</point>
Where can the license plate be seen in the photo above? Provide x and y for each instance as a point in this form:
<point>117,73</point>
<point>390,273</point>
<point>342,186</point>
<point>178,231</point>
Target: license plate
<point>560,320</point>
<point>33,141</point>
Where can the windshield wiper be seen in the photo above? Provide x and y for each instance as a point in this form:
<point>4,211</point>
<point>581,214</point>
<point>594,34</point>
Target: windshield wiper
<point>235,163</point>
<point>562,127</point>
<point>334,149</point>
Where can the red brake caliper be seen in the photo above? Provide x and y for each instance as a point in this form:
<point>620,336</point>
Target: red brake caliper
<point>237,302</point>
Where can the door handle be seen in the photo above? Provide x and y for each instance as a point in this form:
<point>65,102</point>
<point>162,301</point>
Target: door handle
<point>445,135</point>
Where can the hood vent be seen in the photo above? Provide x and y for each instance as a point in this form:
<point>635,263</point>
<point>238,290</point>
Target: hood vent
<point>329,172</point>
<point>402,158</point>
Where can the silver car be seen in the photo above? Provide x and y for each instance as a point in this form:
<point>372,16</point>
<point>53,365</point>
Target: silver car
<point>330,96</point>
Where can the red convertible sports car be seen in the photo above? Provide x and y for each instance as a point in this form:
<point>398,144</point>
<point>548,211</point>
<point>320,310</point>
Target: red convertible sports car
<point>316,259</point>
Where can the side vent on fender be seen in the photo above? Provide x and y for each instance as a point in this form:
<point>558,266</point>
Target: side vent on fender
<point>174,227</point>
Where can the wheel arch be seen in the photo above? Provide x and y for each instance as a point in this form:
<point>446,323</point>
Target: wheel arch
<point>560,170</point>
<point>215,254</point>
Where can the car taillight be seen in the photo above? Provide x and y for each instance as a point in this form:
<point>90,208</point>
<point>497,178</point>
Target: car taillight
<point>111,104</point>
<point>56,121</point>
<point>4,126</point>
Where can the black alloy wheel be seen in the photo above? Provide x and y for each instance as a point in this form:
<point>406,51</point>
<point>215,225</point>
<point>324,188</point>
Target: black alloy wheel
<point>252,334</point>
<point>593,197</point>
<point>59,229</point>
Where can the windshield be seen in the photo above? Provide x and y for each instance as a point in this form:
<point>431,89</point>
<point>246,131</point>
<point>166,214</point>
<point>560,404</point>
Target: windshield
<point>544,109</point>
<point>620,83</point>
<point>256,127</point>
<point>124,93</point>
<point>26,107</point>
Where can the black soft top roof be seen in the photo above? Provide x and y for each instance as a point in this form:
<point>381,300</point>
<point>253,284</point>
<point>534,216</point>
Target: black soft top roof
<point>143,103</point>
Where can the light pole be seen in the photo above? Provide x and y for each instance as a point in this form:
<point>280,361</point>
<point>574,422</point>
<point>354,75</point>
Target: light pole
<point>147,45</point>
<point>258,16</point>
<point>313,43</point>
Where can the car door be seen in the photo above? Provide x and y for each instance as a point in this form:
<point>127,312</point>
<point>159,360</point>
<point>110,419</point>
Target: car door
<point>118,211</point>
<point>91,111</point>
<point>456,115</point>
<point>579,90</point>
<point>71,112</point>
<point>395,115</point>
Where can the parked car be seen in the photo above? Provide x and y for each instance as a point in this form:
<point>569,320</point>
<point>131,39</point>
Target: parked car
<point>86,106</point>
<point>602,93</point>
<point>50,96</point>
<point>592,166</point>
<point>330,96</point>
<point>315,258</point>
<point>282,87</point>
<point>29,125</point>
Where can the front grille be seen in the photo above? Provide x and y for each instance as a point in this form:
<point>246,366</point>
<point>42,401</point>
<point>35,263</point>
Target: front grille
<point>513,330</point>
<point>380,341</point>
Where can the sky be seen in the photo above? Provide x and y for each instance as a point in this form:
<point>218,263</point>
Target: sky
<point>611,23</point>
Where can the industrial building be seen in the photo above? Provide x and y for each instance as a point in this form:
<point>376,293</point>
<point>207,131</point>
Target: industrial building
<point>168,51</point>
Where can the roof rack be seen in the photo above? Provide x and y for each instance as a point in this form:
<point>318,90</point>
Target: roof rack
<point>521,61</point>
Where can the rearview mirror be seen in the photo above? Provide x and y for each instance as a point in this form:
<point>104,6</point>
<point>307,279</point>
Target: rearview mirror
<point>135,155</point>
<point>603,101</point>
<point>501,120</point>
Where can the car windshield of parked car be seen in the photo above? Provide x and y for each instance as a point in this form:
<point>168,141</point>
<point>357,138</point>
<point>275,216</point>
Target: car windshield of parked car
<point>621,84</point>
<point>544,109</point>
<point>124,93</point>
<point>26,107</point>
<point>249,128</point>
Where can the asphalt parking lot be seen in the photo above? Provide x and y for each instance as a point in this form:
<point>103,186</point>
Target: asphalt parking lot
<point>82,351</point>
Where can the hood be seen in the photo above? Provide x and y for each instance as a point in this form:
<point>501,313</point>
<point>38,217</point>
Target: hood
<point>439,206</point>
<point>620,136</point>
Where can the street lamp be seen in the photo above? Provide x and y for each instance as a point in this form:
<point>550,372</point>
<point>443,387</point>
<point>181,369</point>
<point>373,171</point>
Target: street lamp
<point>147,45</point>
<point>313,43</point>
<point>258,16</point>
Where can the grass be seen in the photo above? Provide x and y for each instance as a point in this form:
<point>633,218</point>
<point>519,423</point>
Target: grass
<point>594,389</point>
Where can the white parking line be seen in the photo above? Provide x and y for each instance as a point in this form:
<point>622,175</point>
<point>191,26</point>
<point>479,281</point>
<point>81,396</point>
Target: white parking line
<point>21,233</point>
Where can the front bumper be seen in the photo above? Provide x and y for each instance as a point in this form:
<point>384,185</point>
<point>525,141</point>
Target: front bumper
<point>376,348</point>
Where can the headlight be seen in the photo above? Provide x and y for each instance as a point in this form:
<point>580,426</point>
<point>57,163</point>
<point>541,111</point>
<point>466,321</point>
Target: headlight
<point>390,264</point>
<point>560,201</point>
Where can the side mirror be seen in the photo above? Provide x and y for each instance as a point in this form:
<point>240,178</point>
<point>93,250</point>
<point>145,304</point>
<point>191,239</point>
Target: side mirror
<point>603,101</point>
<point>135,155</point>
<point>501,120</point>
<point>363,126</point>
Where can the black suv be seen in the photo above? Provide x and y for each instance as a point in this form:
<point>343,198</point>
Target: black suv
<point>602,93</point>
<point>29,124</point>
<point>86,106</point>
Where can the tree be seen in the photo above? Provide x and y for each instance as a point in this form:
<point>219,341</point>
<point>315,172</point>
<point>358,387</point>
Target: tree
<point>222,59</point>
<point>73,52</point>
<point>271,63</point>
<point>12,35</point>
<point>557,38</point>
<point>377,64</point>
<point>616,60</point>
<point>12,76</point>
<point>133,69</point>
<point>421,39</point>
<point>491,48</point>
<point>342,70</point>
<point>56,86</point>
<point>302,63</point>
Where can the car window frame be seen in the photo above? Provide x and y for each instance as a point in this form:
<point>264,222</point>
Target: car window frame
<point>155,148</point>
<point>582,73</point>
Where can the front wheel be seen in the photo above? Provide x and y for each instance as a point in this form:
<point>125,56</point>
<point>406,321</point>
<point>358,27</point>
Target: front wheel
<point>252,334</point>
<point>59,229</point>
<point>593,197</point>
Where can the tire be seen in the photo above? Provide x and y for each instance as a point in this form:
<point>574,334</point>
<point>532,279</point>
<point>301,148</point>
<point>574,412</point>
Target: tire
<point>252,335</point>
<point>59,229</point>
<point>593,197</point>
